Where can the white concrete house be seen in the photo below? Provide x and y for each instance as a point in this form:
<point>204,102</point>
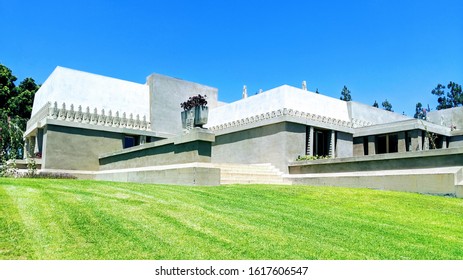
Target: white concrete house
<point>106,128</point>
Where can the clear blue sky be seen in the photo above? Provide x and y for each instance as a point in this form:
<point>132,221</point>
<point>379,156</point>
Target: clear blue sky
<point>397,50</point>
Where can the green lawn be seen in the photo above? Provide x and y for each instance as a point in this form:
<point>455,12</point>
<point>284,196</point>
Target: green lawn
<point>73,219</point>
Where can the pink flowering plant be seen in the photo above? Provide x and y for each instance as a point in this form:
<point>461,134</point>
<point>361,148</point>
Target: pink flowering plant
<point>193,101</point>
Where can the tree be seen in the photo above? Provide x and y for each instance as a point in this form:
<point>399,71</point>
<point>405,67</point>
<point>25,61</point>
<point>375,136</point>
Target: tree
<point>7,86</point>
<point>20,104</point>
<point>345,94</point>
<point>450,99</point>
<point>387,106</point>
<point>375,104</point>
<point>420,112</point>
<point>16,101</point>
<point>15,108</point>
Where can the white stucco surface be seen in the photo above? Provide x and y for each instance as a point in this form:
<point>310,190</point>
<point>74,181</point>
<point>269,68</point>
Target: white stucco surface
<point>278,98</point>
<point>86,89</point>
<point>373,115</point>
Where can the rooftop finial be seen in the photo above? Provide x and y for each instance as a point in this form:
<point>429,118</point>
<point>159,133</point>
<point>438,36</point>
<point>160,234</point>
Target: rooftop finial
<point>304,85</point>
<point>245,92</point>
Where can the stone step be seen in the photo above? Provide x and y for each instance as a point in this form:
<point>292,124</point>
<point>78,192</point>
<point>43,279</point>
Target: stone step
<point>249,174</point>
<point>251,181</point>
<point>251,169</point>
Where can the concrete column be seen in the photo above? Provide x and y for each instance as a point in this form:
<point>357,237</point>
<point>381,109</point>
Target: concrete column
<point>416,141</point>
<point>358,147</point>
<point>426,142</point>
<point>333,144</point>
<point>444,142</point>
<point>310,147</point>
<point>371,145</point>
<point>402,142</point>
<point>36,145</point>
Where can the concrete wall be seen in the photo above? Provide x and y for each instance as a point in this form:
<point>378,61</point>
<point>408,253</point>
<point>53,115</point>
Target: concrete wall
<point>393,161</point>
<point>166,94</point>
<point>279,98</point>
<point>344,146</point>
<point>277,143</point>
<point>447,117</point>
<point>373,115</point>
<point>429,182</point>
<point>456,141</point>
<point>358,147</point>
<point>86,89</point>
<point>188,148</point>
<point>76,148</point>
<point>176,175</point>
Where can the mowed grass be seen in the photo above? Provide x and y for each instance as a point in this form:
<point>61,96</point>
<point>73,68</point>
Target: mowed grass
<point>73,219</point>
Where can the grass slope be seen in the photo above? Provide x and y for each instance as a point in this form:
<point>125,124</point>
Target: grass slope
<point>72,219</point>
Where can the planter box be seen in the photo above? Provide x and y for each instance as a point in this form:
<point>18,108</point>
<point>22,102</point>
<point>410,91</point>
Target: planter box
<point>201,115</point>
<point>187,116</point>
<point>184,115</point>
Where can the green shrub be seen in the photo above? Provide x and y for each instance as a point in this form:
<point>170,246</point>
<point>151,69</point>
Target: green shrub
<point>308,157</point>
<point>48,175</point>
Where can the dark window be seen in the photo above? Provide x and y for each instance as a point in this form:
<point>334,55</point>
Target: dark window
<point>321,142</point>
<point>438,141</point>
<point>393,143</point>
<point>387,143</point>
<point>381,144</point>
<point>129,141</point>
<point>365,145</point>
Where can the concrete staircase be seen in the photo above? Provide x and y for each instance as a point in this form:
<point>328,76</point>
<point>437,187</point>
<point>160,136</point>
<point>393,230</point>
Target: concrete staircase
<point>250,174</point>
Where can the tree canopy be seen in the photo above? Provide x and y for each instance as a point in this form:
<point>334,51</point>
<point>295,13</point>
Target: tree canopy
<point>453,97</point>
<point>375,104</point>
<point>387,106</point>
<point>16,101</point>
<point>420,112</point>
<point>345,94</point>
<point>15,109</point>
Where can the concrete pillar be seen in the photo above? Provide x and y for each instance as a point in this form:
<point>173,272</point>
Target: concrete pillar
<point>371,145</point>
<point>416,140</point>
<point>444,142</point>
<point>245,92</point>
<point>358,147</point>
<point>426,142</point>
<point>402,142</point>
<point>333,144</point>
<point>310,147</point>
<point>36,145</point>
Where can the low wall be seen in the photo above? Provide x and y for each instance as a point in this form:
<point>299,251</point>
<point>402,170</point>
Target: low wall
<point>191,147</point>
<point>276,143</point>
<point>170,161</point>
<point>440,181</point>
<point>432,172</point>
<point>182,174</point>
<point>393,161</point>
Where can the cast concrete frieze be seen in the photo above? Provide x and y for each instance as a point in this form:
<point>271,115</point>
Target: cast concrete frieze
<point>96,118</point>
<point>294,113</point>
